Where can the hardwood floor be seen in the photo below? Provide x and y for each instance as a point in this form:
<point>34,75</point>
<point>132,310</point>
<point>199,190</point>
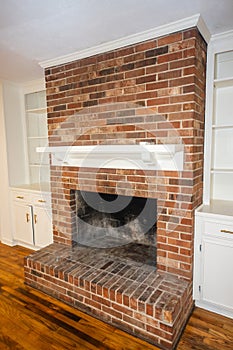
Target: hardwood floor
<point>34,321</point>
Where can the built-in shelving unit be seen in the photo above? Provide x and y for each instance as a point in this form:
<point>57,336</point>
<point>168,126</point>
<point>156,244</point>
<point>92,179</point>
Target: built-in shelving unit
<point>25,190</point>
<point>222,129</point>
<point>36,121</point>
<point>213,280</point>
<point>30,196</point>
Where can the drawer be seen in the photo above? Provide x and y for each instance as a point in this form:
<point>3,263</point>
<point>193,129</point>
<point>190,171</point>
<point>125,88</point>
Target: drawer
<point>220,229</point>
<point>42,199</point>
<point>21,196</point>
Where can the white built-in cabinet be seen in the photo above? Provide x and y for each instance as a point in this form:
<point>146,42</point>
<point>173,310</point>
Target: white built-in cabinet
<point>213,278</point>
<point>213,265</point>
<point>25,175</point>
<point>32,223</point>
<point>31,201</point>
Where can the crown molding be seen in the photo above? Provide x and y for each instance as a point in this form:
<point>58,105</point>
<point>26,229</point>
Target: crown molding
<point>222,36</point>
<point>189,22</point>
<point>222,41</point>
<point>203,29</point>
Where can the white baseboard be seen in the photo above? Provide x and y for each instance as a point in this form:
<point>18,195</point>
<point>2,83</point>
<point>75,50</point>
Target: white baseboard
<point>213,308</point>
<point>7,241</point>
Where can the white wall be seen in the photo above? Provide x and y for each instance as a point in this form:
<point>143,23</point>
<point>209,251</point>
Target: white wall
<point>5,217</point>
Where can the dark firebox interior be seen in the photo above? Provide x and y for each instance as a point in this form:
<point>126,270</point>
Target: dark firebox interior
<point>121,226</point>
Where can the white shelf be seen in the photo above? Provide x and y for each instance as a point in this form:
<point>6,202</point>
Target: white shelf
<point>218,83</point>
<point>36,111</point>
<point>217,207</point>
<point>38,137</point>
<point>38,165</point>
<point>141,156</point>
<point>222,171</point>
<point>215,126</point>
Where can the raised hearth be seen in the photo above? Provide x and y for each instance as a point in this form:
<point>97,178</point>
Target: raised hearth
<point>133,296</point>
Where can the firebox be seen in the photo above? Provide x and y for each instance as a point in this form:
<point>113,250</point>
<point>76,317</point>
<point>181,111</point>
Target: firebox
<point>124,226</point>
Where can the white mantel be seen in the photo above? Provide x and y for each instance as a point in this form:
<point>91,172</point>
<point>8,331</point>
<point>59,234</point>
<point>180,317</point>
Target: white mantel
<point>141,156</point>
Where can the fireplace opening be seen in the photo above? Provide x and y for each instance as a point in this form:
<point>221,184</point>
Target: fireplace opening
<point>122,226</point>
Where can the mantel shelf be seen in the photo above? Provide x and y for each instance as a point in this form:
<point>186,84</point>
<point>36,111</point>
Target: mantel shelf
<point>141,156</point>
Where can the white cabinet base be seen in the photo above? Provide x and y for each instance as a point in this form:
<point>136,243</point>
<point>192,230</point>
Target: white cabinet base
<point>213,258</point>
<point>31,216</point>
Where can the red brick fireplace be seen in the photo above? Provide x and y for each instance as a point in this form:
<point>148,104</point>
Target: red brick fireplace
<point>150,92</point>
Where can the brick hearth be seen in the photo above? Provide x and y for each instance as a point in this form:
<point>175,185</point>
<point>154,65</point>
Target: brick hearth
<point>146,303</point>
<point>147,92</point>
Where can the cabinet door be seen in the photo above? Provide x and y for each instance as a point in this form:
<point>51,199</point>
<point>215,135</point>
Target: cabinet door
<point>42,226</point>
<point>23,226</point>
<point>217,285</point>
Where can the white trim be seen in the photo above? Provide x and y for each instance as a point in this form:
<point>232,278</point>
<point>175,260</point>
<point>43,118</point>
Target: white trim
<point>222,36</point>
<point>189,22</point>
<point>222,42</point>
<point>7,241</point>
<point>141,156</point>
<point>203,29</point>
<point>208,124</point>
<point>216,309</point>
<point>33,86</point>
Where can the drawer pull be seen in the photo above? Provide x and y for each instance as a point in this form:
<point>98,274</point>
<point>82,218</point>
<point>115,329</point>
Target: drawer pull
<point>41,201</point>
<point>27,217</point>
<point>20,197</point>
<point>227,231</point>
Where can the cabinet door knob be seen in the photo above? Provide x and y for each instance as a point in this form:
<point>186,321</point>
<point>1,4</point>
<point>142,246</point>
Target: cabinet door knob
<point>227,231</point>
<point>20,197</point>
<point>35,218</point>
<point>27,217</point>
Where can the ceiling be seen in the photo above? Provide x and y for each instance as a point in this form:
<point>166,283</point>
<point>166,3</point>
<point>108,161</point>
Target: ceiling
<point>32,31</point>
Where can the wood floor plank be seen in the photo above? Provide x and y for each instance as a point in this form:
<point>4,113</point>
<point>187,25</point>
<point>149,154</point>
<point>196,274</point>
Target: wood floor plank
<point>31,320</point>
<point>36,317</point>
<point>39,330</point>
